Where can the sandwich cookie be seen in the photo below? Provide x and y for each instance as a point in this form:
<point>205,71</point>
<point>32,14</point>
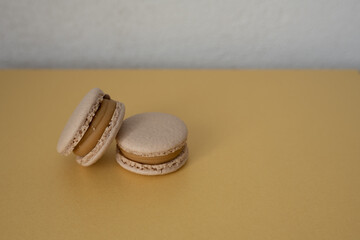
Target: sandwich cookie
<point>152,144</point>
<point>91,128</point>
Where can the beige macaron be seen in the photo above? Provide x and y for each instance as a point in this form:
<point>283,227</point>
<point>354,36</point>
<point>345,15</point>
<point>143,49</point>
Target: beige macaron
<point>152,144</point>
<point>92,127</point>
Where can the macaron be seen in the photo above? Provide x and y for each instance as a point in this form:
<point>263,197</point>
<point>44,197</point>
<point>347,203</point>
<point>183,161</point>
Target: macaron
<point>92,127</point>
<point>152,144</point>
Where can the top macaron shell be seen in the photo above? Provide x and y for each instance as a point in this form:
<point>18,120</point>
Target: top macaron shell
<point>152,134</point>
<point>75,125</point>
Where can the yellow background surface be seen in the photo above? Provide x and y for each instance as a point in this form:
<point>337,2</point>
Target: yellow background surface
<point>273,155</point>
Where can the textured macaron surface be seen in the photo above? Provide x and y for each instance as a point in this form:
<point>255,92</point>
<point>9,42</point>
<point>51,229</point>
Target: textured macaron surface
<point>76,125</point>
<point>152,134</point>
<point>106,138</point>
<point>150,169</point>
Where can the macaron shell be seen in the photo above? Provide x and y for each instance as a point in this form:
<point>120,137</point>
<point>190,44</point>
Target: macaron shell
<point>78,122</point>
<point>106,139</point>
<point>147,169</point>
<point>152,134</point>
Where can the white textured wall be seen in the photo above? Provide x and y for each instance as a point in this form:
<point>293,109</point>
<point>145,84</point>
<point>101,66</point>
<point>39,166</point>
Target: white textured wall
<point>180,33</point>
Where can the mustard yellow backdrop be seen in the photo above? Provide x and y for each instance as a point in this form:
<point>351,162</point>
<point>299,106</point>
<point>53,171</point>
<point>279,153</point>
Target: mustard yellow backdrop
<point>273,155</point>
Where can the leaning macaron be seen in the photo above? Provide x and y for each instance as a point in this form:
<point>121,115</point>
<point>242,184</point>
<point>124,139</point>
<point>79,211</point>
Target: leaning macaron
<point>92,127</point>
<point>152,144</point>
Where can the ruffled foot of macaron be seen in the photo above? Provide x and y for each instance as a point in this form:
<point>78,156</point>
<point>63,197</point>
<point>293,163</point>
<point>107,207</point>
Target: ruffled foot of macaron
<point>152,144</point>
<point>92,127</point>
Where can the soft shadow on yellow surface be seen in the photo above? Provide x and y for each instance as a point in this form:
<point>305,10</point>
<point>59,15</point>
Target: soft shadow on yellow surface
<point>273,155</point>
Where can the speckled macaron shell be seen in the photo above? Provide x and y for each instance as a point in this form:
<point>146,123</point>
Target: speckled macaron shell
<point>148,169</point>
<point>152,134</point>
<point>78,124</point>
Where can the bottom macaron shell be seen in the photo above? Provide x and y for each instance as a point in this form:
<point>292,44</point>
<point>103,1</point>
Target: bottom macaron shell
<point>106,139</point>
<point>158,169</point>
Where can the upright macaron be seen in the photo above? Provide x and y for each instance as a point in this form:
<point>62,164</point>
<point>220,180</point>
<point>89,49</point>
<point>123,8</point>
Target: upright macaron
<point>91,128</point>
<point>152,144</point>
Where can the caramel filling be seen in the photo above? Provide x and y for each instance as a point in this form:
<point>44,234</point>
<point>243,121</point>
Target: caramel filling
<point>96,128</point>
<point>151,160</point>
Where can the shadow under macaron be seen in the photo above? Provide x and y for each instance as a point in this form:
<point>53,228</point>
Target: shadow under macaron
<point>201,142</point>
